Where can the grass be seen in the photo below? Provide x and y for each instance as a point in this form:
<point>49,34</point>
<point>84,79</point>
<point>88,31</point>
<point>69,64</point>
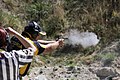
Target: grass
<point>10,20</point>
<point>106,58</point>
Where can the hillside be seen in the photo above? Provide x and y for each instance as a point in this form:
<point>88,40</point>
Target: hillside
<point>102,17</point>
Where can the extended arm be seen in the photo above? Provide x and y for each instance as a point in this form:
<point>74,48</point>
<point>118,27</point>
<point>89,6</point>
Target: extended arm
<point>45,42</point>
<point>52,46</point>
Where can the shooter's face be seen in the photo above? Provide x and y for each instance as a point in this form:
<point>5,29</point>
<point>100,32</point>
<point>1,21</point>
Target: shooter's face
<point>38,37</point>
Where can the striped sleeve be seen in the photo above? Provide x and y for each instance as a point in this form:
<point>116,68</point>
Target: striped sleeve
<point>24,56</point>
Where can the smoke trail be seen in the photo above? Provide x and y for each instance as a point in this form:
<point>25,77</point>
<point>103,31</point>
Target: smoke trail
<point>86,39</point>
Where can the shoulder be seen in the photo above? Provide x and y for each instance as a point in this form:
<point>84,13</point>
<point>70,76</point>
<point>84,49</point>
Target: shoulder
<point>6,54</point>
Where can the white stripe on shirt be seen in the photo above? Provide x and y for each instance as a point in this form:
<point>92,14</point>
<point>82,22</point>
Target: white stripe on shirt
<point>16,64</point>
<point>4,70</point>
<point>17,72</point>
<point>11,68</point>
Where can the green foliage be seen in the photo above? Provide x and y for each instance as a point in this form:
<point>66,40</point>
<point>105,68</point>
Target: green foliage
<point>99,16</point>
<point>54,26</point>
<point>107,58</point>
<point>9,20</point>
<point>42,12</point>
<point>38,11</point>
<point>70,63</point>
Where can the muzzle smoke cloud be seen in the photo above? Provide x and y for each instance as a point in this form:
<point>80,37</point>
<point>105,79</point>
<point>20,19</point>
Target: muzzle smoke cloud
<point>85,39</point>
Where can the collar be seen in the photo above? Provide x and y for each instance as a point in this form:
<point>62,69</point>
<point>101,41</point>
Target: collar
<point>1,54</point>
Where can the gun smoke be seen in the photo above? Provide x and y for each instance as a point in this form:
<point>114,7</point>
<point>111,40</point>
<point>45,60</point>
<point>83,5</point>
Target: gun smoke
<point>85,39</point>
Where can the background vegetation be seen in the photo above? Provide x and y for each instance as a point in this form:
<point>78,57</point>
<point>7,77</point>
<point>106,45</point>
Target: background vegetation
<point>99,16</point>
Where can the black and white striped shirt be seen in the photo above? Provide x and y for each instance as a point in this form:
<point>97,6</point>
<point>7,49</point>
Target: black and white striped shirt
<point>10,62</point>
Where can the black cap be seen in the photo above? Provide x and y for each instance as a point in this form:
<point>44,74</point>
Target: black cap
<point>34,27</point>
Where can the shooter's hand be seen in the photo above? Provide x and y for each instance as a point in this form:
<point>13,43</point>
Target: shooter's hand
<point>61,42</point>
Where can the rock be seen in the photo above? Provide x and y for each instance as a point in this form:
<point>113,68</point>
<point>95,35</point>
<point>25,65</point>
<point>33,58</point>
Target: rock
<point>104,71</point>
<point>41,77</point>
<point>55,69</point>
<point>41,72</point>
<point>70,68</point>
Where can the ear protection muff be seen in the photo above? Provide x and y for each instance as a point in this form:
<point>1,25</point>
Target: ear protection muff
<point>7,39</point>
<point>34,35</point>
